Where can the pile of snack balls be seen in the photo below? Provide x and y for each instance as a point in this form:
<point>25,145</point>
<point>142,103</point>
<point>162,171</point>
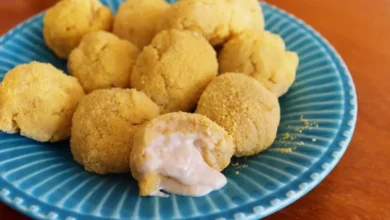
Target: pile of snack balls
<point>208,58</point>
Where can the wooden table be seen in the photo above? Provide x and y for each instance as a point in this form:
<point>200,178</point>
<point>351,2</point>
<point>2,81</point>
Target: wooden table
<point>359,187</point>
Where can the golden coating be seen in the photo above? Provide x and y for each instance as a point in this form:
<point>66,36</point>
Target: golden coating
<point>245,14</point>
<point>245,108</point>
<point>175,69</point>
<point>102,60</point>
<point>68,21</point>
<point>39,101</point>
<point>136,20</point>
<point>104,125</point>
<point>216,146</point>
<point>263,56</point>
<point>216,20</point>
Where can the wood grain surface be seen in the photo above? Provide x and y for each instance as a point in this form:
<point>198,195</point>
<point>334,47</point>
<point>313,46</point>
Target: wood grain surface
<point>359,187</point>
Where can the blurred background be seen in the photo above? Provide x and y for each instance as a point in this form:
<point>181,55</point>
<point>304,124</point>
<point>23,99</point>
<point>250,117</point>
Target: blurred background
<point>15,11</point>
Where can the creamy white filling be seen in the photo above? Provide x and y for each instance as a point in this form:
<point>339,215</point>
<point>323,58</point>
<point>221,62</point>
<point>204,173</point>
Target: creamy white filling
<point>176,156</point>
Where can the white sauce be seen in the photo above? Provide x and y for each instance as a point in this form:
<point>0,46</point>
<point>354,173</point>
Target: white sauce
<point>177,157</point>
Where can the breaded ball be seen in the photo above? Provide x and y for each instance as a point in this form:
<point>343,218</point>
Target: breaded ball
<point>69,20</point>
<point>136,20</point>
<point>104,125</point>
<point>175,69</point>
<point>181,136</point>
<point>245,108</point>
<point>216,20</point>
<point>102,60</point>
<point>263,56</point>
<point>39,101</point>
<point>245,15</point>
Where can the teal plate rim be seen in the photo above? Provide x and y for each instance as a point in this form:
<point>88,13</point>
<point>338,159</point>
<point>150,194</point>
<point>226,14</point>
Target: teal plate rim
<point>332,156</point>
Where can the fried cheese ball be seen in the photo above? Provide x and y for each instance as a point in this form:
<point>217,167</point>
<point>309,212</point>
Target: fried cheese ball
<point>181,153</point>
<point>68,21</point>
<point>245,14</point>
<point>175,69</point>
<point>245,108</point>
<point>216,20</point>
<point>102,60</point>
<point>38,100</point>
<point>263,56</point>
<point>104,125</point>
<point>136,21</point>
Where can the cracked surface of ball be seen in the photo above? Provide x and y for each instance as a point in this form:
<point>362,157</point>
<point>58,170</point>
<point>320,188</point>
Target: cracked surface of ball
<point>102,60</point>
<point>245,109</point>
<point>263,56</point>
<point>175,69</point>
<point>68,21</point>
<point>38,100</point>
<point>136,20</point>
<point>104,125</point>
<point>216,20</point>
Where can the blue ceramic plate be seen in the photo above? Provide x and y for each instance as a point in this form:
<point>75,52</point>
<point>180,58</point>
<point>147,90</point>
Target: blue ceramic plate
<point>318,119</point>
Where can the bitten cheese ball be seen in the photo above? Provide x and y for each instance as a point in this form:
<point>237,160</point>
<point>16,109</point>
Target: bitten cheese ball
<point>102,60</point>
<point>263,56</point>
<point>216,20</point>
<point>69,20</point>
<point>136,20</point>
<point>104,125</point>
<point>245,108</point>
<point>180,153</point>
<point>175,69</point>
<point>38,100</point>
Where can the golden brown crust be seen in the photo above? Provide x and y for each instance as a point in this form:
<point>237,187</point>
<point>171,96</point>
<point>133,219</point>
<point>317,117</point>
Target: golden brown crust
<point>216,151</point>
<point>136,20</point>
<point>102,60</point>
<point>263,56</point>
<point>175,69</point>
<point>246,109</point>
<point>104,125</point>
<point>217,21</point>
<point>68,21</point>
<point>38,100</point>
<point>245,15</point>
